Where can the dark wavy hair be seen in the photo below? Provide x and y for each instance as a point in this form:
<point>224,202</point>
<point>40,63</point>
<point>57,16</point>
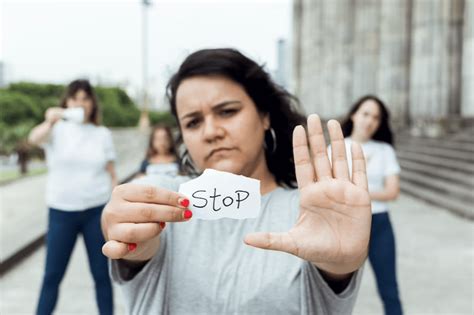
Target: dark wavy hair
<point>82,85</point>
<point>383,133</point>
<point>151,151</point>
<point>268,97</point>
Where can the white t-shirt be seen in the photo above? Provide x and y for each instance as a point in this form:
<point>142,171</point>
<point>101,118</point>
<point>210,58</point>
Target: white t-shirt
<point>77,155</point>
<point>381,162</point>
<point>170,169</point>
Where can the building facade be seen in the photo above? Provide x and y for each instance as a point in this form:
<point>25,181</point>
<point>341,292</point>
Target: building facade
<point>417,55</point>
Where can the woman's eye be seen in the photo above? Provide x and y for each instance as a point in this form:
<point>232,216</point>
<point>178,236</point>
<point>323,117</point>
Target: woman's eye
<point>228,112</point>
<point>192,123</point>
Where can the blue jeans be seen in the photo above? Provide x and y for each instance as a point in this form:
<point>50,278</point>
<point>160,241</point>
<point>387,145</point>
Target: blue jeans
<point>64,226</point>
<point>382,259</point>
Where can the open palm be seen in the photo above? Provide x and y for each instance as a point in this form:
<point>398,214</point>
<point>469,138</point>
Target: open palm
<point>333,226</point>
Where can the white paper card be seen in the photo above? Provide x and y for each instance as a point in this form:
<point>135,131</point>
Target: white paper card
<point>215,195</point>
<point>74,114</point>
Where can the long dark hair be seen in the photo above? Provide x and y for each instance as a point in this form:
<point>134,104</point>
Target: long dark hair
<point>84,85</point>
<point>151,149</point>
<point>383,133</point>
<point>268,97</point>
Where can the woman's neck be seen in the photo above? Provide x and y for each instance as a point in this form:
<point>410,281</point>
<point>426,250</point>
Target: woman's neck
<point>163,157</point>
<point>360,139</point>
<point>267,179</point>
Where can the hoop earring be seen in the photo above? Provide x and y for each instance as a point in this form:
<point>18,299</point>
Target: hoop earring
<point>186,163</point>
<point>274,141</point>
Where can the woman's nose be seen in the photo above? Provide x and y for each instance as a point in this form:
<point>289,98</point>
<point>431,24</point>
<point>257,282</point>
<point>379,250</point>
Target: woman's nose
<point>212,130</point>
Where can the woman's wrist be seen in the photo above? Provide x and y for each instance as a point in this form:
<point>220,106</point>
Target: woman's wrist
<point>49,123</point>
<point>343,269</point>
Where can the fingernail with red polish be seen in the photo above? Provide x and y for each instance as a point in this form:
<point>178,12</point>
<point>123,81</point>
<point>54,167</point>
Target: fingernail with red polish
<point>184,202</point>
<point>188,214</point>
<point>162,225</point>
<point>132,247</point>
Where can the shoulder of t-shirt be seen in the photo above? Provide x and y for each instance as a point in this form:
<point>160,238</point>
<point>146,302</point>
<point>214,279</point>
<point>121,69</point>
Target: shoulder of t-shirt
<point>380,144</point>
<point>387,147</point>
<point>163,181</point>
<point>290,194</point>
<point>103,131</point>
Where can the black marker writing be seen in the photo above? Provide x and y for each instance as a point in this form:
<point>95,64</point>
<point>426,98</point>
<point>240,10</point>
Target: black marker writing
<point>227,201</point>
<point>196,197</point>
<point>239,200</point>
<point>214,200</point>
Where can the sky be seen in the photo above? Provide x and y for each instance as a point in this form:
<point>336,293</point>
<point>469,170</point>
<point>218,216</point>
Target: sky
<point>58,41</point>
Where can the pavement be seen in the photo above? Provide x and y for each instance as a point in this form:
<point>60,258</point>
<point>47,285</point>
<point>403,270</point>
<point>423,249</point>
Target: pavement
<point>435,269</point>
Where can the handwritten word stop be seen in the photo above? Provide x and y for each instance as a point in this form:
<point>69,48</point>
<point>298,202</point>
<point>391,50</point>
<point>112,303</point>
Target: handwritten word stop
<point>215,195</point>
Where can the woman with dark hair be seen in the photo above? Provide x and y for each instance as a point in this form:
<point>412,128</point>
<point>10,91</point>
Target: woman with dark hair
<point>233,118</point>
<point>80,157</point>
<point>368,124</point>
<point>161,155</point>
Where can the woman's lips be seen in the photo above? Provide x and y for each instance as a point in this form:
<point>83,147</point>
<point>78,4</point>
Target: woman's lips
<point>216,151</point>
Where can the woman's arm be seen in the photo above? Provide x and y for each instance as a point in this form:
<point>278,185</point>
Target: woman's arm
<point>39,134</point>
<point>111,169</point>
<point>391,189</point>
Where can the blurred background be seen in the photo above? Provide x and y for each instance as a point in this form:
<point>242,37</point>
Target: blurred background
<point>416,55</point>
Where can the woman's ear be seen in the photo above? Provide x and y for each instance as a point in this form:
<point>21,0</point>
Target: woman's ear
<point>266,121</point>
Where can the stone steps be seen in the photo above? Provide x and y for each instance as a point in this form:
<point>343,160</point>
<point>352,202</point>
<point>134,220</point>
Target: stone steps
<point>447,189</point>
<point>449,144</point>
<point>436,172</point>
<point>453,154</point>
<point>439,171</point>
<point>461,208</point>
<point>436,161</point>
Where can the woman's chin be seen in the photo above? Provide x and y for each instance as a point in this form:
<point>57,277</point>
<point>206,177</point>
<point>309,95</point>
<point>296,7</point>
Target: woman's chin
<point>225,166</point>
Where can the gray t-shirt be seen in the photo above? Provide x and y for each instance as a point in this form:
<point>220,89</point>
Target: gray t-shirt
<point>204,267</point>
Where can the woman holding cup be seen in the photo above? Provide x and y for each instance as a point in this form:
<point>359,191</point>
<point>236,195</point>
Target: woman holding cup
<point>80,157</point>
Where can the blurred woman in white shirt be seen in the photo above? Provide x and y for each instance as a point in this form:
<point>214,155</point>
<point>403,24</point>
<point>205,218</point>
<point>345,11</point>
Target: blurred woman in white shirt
<point>368,124</point>
<point>161,157</point>
<point>80,157</point>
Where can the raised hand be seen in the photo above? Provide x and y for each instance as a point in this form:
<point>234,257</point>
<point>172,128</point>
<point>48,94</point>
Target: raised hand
<point>53,114</point>
<point>333,227</point>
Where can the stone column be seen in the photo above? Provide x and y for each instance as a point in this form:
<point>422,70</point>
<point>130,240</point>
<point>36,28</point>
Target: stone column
<point>323,57</point>
<point>435,58</point>
<point>297,50</point>
<point>393,63</point>
<point>335,59</point>
<point>467,100</point>
<point>306,52</point>
<point>366,47</point>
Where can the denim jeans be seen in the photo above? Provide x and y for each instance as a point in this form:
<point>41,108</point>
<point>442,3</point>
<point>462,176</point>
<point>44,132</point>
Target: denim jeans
<point>382,258</point>
<point>63,229</point>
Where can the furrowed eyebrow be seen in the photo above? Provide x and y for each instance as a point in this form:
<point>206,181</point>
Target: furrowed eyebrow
<point>214,108</point>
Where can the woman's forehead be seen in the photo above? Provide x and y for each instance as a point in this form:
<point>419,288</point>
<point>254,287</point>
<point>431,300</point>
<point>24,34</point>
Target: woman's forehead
<point>80,93</point>
<point>196,93</point>
<point>370,106</point>
<point>161,132</point>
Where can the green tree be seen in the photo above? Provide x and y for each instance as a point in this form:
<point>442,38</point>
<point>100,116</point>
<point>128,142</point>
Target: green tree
<point>23,104</point>
<point>165,118</point>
